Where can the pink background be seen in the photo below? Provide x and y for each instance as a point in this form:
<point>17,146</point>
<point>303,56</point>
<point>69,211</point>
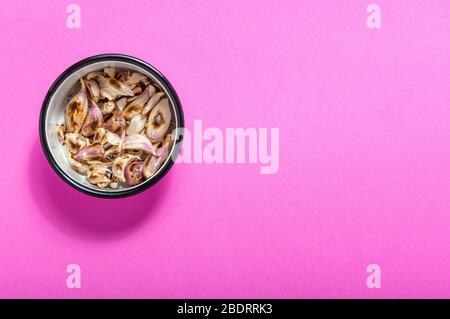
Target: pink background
<point>364,152</point>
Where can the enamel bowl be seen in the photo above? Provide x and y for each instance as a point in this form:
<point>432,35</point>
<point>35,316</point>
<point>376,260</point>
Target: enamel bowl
<point>53,111</point>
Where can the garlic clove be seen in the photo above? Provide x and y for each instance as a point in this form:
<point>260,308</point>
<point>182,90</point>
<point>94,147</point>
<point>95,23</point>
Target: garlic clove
<point>61,132</point>
<point>93,88</point>
<point>136,106</point>
<point>112,88</point>
<point>99,175</point>
<point>135,78</point>
<point>111,139</point>
<point>133,173</point>
<point>138,142</point>
<point>90,153</point>
<point>75,142</point>
<point>114,183</point>
<point>159,121</point>
<point>115,123</point>
<point>108,107</point>
<point>122,76</point>
<point>76,110</point>
<point>141,154</point>
<point>98,135</point>
<point>93,121</point>
<point>166,146</point>
<point>137,124</point>
<point>93,75</point>
<point>146,81</point>
<point>151,90</point>
<point>153,163</point>
<point>111,72</point>
<point>111,154</point>
<point>98,162</point>
<point>120,163</point>
<point>137,90</point>
<point>121,103</point>
<point>152,102</point>
<point>77,166</point>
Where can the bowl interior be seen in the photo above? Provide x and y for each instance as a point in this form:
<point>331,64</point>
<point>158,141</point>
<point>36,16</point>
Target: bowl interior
<point>56,111</point>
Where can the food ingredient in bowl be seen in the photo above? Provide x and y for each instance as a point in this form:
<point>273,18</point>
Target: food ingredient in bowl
<point>117,128</point>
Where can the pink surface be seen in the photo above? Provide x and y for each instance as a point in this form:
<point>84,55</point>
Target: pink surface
<point>364,152</point>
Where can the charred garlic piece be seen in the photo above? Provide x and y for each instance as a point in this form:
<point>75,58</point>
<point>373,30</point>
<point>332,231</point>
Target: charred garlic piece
<point>76,110</point>
<point>111,72</point>
<point>115,123</point>
<point>137,89</point>
<point>120,163</point>
<point>77,166</point>
<point>93,75</point>
<point>114,183</point>
<point>159,121</point>
<point>111,139</point>
<point>75,142</point>
<point>99,135</point>
<point>99,175</point>
<point>61,132</point>
<point>133,173</point>
<point>121,103</point>
<point>90,153</point>
<point>108,107</point>
<point>137,124</point>
<point>111,88</point>
<point>138,142</point>
<point>152,102</point>
<point>111,154</point>
<point>137,105</point>
<point>94,89</point>
<point>122,76</point>
<point>153,163</point>
<point>135,78</point>
<point>93,120</point>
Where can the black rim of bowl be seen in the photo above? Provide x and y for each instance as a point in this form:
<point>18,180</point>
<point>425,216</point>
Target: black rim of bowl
<point>101,58</point>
